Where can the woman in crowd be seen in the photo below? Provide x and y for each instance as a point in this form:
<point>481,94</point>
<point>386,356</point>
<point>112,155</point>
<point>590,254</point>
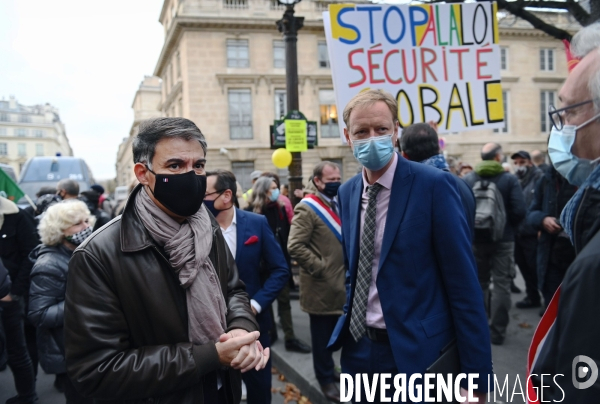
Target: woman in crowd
<point>63,227</point>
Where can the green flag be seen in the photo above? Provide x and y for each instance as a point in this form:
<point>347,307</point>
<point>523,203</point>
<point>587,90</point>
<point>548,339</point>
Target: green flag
<point>13,192</point>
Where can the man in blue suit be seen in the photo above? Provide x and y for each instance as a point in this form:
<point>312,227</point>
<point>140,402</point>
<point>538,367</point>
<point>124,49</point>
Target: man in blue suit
<point>412,280</point>
<point>260,261</point>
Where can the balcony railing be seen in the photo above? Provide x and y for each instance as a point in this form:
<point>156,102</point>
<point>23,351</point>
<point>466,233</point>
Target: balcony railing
<point>276,6</point>
<point>235,4</point>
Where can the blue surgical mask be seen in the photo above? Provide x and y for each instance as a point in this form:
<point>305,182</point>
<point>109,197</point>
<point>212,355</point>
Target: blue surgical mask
<point>375,152</point>
<point>274,195</point>
<point>574,169</point>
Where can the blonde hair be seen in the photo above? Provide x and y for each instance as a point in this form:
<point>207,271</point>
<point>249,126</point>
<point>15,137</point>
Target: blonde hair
<point>60,217</point>
<point>368,98</point>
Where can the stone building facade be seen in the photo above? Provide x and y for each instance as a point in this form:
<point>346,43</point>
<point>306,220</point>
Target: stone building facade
<point>222,66</point>
<point>30,131</point>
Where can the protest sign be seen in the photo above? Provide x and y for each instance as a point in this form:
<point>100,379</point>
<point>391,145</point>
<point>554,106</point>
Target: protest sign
<point>295,135</point>
<point>441,61</point>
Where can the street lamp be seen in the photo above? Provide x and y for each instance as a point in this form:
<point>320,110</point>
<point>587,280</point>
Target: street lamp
<point>289,26</point>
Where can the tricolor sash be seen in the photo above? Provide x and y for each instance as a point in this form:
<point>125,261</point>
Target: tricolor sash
<point>537,343</point>
<point>325,213</point>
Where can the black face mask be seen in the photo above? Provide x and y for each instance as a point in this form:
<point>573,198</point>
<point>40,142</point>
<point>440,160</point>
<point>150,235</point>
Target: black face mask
<point>331,188</point>
<point>182,194</point>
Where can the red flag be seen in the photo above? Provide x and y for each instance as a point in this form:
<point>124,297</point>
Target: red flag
<point>571,60</point>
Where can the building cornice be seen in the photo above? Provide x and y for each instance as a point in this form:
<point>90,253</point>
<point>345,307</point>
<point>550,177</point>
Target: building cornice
<point>270,80</point>
<point>181,24</point>
<point>556,80</point>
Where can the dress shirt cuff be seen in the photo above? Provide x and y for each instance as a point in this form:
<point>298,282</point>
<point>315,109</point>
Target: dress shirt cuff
<point>256,306</point>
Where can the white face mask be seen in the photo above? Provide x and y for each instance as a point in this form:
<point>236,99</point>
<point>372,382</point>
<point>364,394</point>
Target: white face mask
<point>574,169</point>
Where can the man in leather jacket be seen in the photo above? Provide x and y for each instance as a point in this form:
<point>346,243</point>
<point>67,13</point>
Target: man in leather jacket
<point>151,316</point>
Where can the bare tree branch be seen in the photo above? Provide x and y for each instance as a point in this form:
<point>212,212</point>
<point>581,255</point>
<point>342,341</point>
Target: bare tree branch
<point>516,9</point>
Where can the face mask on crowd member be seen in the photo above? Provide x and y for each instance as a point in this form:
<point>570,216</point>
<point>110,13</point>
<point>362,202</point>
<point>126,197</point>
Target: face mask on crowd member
<point>327,179</point>
<point>217,201</point>
<point>274,192</point>
<point>372,133</point>
<point>522,162</point>
<point>560,145</point>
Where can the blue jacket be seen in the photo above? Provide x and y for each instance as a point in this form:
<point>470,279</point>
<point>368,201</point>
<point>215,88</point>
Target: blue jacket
<point>427,279</point>
<point>261,264</point>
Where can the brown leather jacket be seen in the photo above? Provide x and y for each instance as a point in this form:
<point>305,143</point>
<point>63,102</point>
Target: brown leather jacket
<point>126,328</point>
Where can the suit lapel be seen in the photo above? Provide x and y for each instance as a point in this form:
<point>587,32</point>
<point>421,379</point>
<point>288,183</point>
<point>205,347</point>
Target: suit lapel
<point>241,231</point>
<point>403,178</point>
<point>354,215</point>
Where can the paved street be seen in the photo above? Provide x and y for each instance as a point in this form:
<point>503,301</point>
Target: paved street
<point>509,359</point>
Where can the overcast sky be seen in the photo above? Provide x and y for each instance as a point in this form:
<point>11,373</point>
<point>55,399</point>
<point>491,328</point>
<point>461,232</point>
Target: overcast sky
<point>86,58</point>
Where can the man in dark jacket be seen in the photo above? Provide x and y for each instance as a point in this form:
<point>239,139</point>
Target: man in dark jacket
<point>91,198</point>
<point>18,237</point>
<point>495,260</point>
<point>5,285</point>
<point>569,346</point>
<point>526,238</point>
<point>554,252</point>
<point>420,143</point>
<point>154,309</point>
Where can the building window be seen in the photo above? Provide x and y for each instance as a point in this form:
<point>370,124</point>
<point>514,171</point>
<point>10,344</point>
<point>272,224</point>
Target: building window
<point>242,170</point>
<point>2,131</point>
<point>24,118</point>
<point>178,64</point>
<point>180,106</point>
<point>280,104</point>
<point>38,133</point>
<point>547,60</point>
<point>274,5</point>
<point>235,3</point>
<point>505,104</point>
<point>3,149</point>
<point>22,149</point>
<point>4,118</point>
<point>21,132</point>
<point>323,55</point>
<point>278,54</point>
<point>39,149</point>
<point>546,98</point>
<point>240,114</point>
<point>503,58</point>
<point>237,53</point>
<point>329,117</point>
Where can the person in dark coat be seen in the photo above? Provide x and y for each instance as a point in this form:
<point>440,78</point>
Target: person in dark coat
<point>91,198</point>
<point>420,143</point>
<point>495,260</point>
<point>62,228</point>
<point>554,252</point>
<point>18,238</point>
<point>5,285</point>
<point>526,237</point>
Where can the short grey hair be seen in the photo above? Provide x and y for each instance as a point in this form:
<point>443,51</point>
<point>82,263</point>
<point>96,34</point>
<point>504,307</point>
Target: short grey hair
<point>71,187</point>
<point>152,131</point>
<point>60,217</point>
<point>583,43</point>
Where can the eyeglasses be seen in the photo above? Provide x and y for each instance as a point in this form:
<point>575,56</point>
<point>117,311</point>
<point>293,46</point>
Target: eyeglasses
<point>556,114</point>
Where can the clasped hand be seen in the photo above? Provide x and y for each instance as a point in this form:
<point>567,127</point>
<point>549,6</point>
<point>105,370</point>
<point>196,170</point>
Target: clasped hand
<point>241,350</point>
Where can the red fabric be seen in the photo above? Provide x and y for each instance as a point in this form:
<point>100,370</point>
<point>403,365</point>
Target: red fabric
<point>251,240</point>
<point>571,60</point>
<point>541,332</point>
<point>287,204</point>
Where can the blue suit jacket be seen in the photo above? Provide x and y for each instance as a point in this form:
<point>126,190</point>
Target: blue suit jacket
<point>427,279</point>
<point>248,258</point>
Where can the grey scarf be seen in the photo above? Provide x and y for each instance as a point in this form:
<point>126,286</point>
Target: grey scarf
<point>188,245</point>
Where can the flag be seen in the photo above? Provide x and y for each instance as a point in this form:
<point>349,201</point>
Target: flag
<point>571,60</point>
<point>13,192</point>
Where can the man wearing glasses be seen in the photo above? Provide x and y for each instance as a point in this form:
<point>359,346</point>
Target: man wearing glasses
<point>566,341</point>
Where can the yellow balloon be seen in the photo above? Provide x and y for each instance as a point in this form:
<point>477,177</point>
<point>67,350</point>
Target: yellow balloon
<point>281,158</point>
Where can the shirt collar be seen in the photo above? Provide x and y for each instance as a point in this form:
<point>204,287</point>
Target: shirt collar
<point>386,179</point>
<point>233,221</point>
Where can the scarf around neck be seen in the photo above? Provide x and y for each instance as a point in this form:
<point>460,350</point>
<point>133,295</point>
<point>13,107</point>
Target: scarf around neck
<point>437,161</point>
<point>567,217</point>
<point>187,245</point>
